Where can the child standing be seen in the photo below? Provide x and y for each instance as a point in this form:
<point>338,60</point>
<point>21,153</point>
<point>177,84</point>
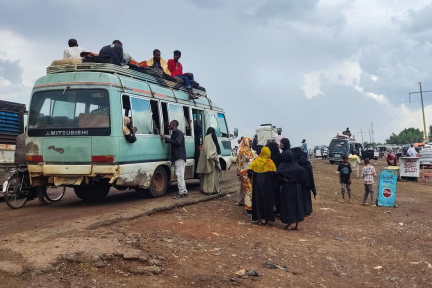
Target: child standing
<point>345,171</point>
<point>368,174</point>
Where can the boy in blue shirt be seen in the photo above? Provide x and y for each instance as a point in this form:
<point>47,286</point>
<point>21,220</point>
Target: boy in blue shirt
<point>345,171</point>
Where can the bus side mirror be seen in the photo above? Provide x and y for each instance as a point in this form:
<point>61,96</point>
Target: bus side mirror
<point>235,134</point>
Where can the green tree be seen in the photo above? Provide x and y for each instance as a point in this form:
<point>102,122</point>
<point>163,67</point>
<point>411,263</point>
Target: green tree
<point>406,136</point>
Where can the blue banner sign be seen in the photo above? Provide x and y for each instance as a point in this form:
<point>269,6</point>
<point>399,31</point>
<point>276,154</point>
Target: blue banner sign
<point>387,182</point>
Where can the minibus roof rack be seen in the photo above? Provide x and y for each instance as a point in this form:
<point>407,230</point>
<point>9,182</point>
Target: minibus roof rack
<point>145,74</point>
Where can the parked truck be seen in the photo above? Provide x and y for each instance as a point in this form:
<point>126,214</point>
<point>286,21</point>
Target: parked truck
<point>11,125</point>
<point>267,133</point>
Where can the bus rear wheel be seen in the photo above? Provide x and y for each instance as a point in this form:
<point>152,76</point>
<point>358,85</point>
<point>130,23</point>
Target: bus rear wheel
<point>159,183</point>
<point>95,191</point>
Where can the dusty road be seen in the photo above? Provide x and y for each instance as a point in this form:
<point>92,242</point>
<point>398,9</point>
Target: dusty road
<point>122,242</point>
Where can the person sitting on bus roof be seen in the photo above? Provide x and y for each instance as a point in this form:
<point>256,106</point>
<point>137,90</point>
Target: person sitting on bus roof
<point>347,132</point>
<point>157,62</point>
<point>115,51</point>
<point>176,69</point>
<point>73,51</point>
<point>128,130</point>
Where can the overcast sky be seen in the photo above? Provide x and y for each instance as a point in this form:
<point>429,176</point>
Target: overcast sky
<point>311,67</point>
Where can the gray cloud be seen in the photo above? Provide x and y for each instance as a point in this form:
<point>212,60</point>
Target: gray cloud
<point>209,4</point>
<point>251,55</point>
<point>417,21</point>
<point>11,70</point>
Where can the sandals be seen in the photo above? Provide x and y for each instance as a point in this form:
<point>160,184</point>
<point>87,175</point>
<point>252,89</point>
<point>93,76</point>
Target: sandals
<point>179,196</point>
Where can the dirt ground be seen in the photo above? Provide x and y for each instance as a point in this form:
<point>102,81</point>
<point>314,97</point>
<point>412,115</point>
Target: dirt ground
<point>127,241</point>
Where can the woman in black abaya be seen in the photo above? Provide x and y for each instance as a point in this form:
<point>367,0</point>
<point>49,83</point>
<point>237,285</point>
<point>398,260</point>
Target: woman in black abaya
<point>285,144</point>
<point>277,159</point>
<point>291,176</point>
<point>309,183</point>
<point>262,171</point>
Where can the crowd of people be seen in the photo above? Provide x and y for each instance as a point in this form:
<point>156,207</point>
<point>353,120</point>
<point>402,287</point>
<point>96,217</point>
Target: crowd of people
<point>274,183</point>
<point>115,54</point>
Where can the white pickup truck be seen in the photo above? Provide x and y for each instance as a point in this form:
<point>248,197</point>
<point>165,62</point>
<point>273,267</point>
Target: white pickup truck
<point>267,133</point>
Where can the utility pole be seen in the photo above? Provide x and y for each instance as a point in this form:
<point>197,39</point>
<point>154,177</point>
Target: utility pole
<point>361,133</point>
<point>421,98</point>
<point>370,136</point>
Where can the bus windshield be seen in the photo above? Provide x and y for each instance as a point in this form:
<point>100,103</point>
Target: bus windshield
<point>79,108</point>
<point>338,145</point>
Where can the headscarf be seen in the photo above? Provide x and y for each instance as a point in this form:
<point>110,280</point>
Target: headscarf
<point>286,143</point>
<point>244,150</point>
<point>211,131</point>
<point>263,163</point>
<point>245,141</point>
<point>290,169</point>
<point>206,164</point>
<point>126,130</point>
<point>276,156</point>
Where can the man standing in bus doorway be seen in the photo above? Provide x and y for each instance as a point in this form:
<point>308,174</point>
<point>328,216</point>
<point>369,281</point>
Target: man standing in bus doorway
<point>178,157</point>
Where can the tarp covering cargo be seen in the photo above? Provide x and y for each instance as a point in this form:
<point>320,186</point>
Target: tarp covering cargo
<point>11,121</point>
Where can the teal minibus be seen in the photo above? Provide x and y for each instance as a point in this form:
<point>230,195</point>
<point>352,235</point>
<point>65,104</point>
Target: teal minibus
<point>75,129</point>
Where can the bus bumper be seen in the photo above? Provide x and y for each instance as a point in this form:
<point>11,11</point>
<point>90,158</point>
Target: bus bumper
<point>49,174</point>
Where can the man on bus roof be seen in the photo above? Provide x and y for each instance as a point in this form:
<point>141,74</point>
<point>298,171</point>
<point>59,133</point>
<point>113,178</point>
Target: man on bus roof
<point>157,62</point>
<point>176,69</point>
<point>73,51</point>
<point>115,51</point>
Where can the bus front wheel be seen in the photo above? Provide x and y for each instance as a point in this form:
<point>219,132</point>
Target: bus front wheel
<point>159,183</point>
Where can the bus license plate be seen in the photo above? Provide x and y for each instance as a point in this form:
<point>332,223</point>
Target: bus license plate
<point>337,155</point>
<point>5,186</point>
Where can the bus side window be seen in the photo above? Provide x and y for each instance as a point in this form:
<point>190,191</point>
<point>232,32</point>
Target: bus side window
<point>223,126</point>
<point>188,121</point>
<point>155,116</point>
<point>165,118</point>
<point>141,115</point>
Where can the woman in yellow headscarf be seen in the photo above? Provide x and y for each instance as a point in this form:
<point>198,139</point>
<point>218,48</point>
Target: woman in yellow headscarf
<point>262,171</point>
<point>244,160</point>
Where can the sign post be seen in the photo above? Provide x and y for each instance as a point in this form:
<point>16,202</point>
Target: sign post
<point>410,167</point>
<point>387,182</point>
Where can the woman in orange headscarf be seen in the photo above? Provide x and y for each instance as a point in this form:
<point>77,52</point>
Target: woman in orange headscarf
<point>262,172</point>
<point>244,160</point>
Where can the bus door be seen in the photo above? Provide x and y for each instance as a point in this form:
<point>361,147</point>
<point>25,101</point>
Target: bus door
<point>183,115</point>
<point>198,127</point>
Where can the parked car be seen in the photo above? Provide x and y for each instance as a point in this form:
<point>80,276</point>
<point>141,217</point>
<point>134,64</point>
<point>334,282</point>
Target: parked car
<point>324,152</point>
<point>426,157</point>
<point>317,150</point>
